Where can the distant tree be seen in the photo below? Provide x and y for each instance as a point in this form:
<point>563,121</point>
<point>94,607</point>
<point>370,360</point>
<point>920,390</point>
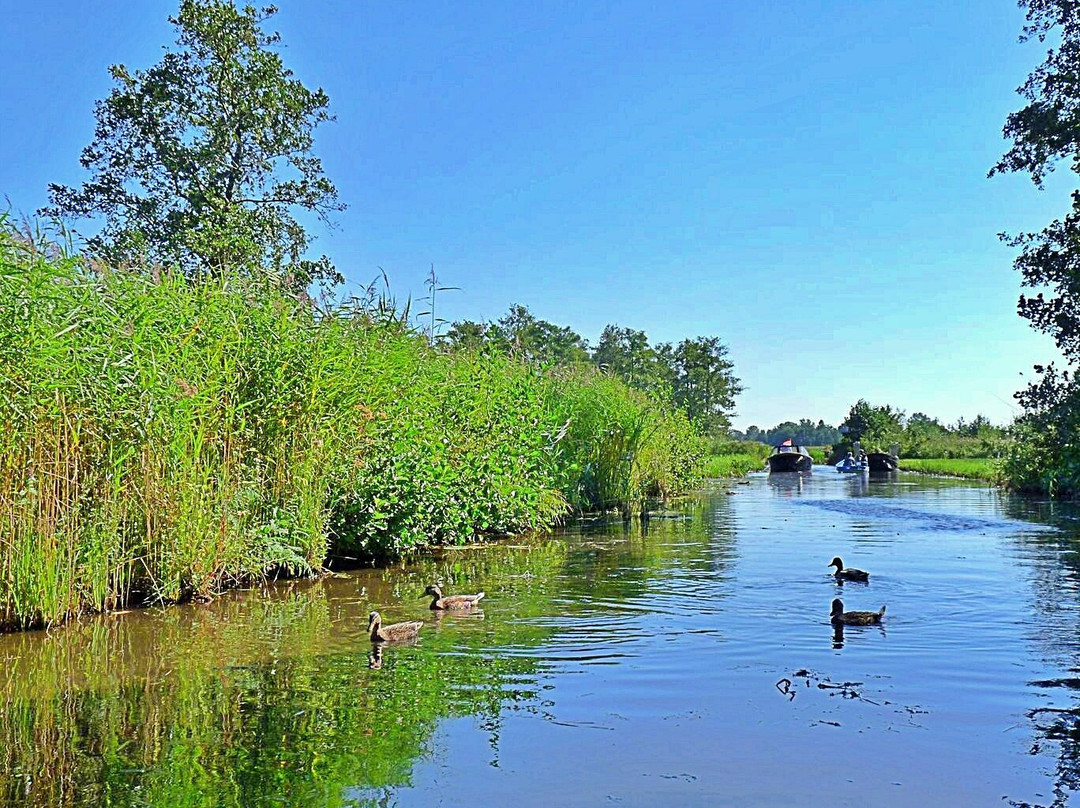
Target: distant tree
<point>875,427</point>
<point>465,335</point>
<point>520,333</point>
<point>201,161</point>
<point>705,385</point>
<point>627,353</point>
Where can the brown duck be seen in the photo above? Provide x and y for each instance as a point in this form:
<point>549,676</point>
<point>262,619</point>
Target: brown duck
<point>455,602</point>
<point>848,573</point>
<point>396,632</point>
<point>838,615</point>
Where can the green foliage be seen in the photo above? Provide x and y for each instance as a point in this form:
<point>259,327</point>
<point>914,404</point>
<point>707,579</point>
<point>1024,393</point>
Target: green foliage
<point>803,433</point>
<point>721,446</point>
<point>626,353</point>
<point>732,465</point>
<point>704,383</point>
<point>521,334</point>
<point>973,468</point>
<point>167,439</point>
<point>875,427</point>
<point>695,375</point>
<point>1044,132</point>
<point>200,161</point>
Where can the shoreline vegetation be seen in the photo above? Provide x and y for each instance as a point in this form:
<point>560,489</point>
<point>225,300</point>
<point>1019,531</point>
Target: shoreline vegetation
<point>166,440</point>
<point>969,468</point>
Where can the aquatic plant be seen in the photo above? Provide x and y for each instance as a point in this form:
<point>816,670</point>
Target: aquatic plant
<point>163,439</point>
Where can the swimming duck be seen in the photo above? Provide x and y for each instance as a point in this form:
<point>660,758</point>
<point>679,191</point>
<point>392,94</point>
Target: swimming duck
<point>456,602</point>
<point>838,615</point>
<point>396,632</point>
<point>850,573</point>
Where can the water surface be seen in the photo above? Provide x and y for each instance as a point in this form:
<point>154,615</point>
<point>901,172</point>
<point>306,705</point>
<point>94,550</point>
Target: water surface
<point>688,661</point>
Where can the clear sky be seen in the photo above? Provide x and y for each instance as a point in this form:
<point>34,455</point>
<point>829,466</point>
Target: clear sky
<point>805,180</point>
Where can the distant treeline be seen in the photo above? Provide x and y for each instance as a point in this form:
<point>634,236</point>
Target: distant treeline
<point>918,435</point>
<point>695,375</point>
<point>877,428</point>
<point>803,433</point>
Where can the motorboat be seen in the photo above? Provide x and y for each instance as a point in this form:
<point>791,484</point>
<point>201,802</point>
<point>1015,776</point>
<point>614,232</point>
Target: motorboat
<point>790,457</point>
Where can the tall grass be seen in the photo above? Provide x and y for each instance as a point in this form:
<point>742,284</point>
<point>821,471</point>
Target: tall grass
<point>974,468</point>
<point>161,440</point>
<point>728,458</point>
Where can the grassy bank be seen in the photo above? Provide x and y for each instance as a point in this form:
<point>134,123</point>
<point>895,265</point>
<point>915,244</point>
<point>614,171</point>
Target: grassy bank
<point>161,440</point>
<point>974,468</point>
<point>728,458</point>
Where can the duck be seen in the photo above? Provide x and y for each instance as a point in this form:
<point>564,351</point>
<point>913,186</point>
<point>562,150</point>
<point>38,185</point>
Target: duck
<point>848,573</point>
<point>395,632</point>
<point>456,602</point>
<point>838,615</point>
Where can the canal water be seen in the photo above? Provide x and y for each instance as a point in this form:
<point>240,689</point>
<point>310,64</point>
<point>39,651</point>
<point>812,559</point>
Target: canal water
<point>688,661</point>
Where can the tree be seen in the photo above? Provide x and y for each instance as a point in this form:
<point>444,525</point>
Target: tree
<point>466,335</point>
<point>627,354</point>
<point>705,385</point>
<point>201,161</point>
<point>536,340</point>
<point>1043,133</point>
<point>876,427</point>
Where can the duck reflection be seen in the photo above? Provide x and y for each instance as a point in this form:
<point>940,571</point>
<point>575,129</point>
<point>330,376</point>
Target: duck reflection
<point>473,614</point>
<point>374,657</point>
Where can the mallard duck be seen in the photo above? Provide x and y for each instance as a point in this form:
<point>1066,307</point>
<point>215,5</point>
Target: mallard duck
<point>849,573</point>
<point>838,615</point>
<point>456,602</point>
<point>396,632</point>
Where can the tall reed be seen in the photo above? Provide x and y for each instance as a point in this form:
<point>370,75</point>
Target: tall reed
<point>162,440</point>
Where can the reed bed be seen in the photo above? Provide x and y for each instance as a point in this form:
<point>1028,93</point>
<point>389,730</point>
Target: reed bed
<point>162,440</point>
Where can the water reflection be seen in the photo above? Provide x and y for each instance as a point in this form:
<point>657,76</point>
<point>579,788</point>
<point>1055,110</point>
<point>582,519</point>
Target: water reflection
<point>675,631</point>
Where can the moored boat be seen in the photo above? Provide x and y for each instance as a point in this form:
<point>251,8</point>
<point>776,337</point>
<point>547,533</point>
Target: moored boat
<point>882,462</point>
<point>789,457</point>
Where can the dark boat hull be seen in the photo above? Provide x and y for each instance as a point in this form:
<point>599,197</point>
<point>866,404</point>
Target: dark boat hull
<point>790,461</point>
<point>882,463</point>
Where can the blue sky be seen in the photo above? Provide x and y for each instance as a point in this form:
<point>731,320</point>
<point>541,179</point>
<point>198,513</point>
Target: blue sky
<point>806,180</point>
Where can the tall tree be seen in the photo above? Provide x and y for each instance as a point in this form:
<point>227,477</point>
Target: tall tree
<point>202,161</point>
<point>705,382</point>
<point>1045,132</point>
<point>524,334</point>
<point>876,427</point>
<point>627,353</point>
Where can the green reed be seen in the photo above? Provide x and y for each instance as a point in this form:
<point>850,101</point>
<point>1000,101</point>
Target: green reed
<point>161,440</point>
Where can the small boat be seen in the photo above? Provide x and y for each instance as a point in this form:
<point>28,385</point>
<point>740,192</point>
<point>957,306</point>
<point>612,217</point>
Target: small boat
<point>849,465</point>
<point>789,457</point>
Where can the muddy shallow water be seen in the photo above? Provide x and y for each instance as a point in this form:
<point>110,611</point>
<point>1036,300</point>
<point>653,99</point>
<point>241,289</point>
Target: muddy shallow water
<point>609,665</point>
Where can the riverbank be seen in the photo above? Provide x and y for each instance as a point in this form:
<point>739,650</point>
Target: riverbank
<point>971,468</point>
<point>731,465</point>
<point>163,440</point>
